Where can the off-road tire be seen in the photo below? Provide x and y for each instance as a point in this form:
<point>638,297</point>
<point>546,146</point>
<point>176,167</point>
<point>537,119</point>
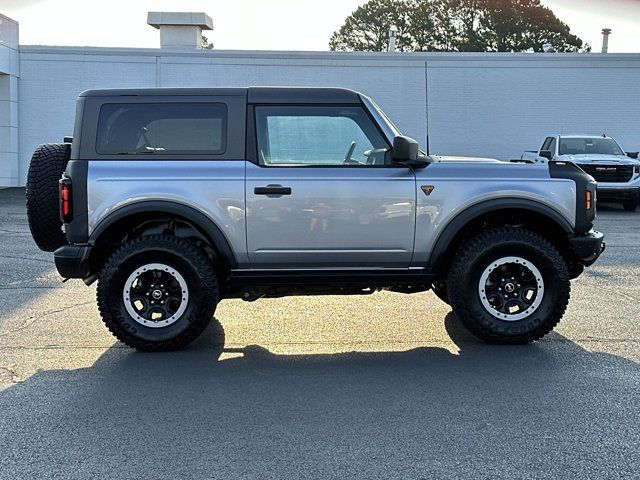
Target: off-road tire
<point>43,208</point>
<point>186,258</point>
<point>482,250</point>
<point>439,287</point>
<point>630,205</point>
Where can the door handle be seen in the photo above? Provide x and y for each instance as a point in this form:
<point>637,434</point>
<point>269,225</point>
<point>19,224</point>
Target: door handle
<point>272,190</point>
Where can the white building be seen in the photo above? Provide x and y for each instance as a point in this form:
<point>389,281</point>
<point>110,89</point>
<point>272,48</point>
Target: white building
<point>480,104</point>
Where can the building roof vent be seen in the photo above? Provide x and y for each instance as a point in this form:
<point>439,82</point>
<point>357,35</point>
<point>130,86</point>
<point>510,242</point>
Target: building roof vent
<point>180,29</point>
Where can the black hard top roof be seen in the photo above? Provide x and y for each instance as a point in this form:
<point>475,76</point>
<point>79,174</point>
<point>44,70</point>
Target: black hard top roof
<point>253,94</point>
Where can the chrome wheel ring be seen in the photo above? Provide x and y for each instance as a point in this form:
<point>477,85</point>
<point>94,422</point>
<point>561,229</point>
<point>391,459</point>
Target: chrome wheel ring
<point>511,288</point>
<point>155,295</point>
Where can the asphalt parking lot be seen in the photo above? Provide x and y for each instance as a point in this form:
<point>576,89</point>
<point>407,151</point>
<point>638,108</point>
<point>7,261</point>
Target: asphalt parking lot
<point>383,386</point>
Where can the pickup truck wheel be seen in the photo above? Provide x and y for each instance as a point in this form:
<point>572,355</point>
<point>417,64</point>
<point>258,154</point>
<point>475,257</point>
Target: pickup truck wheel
<point>439,287</point>
<point>509,286</point>
<point>47,165</point>
<point>157,293</point>
<point>630,205</point>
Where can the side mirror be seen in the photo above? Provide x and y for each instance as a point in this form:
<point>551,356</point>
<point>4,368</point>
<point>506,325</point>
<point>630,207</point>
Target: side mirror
<point>632,154</point>
<point>405,151</point>
<point>548,154</point>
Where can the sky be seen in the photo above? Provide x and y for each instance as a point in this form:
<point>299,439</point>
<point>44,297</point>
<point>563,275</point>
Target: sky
<point>266,24</point>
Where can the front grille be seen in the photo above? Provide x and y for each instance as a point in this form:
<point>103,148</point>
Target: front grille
<point>609,173</point>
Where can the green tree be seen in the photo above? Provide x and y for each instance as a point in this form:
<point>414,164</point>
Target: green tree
<point>368,27</point>
<point>430,26</point>
<point>455,25</point>
<point>509,26</point>
<point>206,44</point>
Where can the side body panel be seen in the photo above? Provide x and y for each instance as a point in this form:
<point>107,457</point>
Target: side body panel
<point>334,217</point>
<point>214,188</point>
<point>460,185</point>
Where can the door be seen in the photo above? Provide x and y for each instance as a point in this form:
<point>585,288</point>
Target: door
<point>323,192</point>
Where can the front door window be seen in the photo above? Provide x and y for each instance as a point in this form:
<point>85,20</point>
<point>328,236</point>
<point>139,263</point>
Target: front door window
<point>318,136</point>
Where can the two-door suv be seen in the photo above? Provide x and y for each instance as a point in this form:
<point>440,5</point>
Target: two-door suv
<point>173,199</point>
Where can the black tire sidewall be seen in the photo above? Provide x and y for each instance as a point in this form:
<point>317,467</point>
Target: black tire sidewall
<point>47,165</point>
<point>484,324</point>
<point>111,289</point>
<point>439,288</point>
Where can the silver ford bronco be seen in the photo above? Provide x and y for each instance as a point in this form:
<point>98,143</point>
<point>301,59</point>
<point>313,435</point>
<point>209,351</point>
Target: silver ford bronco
<point>173,199</point>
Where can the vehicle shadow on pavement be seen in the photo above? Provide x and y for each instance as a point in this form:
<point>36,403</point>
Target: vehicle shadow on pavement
<point>511,411</point>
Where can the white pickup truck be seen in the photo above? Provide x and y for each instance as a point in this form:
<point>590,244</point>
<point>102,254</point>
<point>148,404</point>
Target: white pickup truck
<point>616,171</point>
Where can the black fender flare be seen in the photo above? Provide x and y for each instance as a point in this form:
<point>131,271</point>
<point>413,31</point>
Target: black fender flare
<point>199,219</point>
<point>454,226</point>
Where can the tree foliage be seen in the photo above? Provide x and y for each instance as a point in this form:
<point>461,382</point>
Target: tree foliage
<point>206,44</point>
<point>455,25</point>
<point>368,27</point>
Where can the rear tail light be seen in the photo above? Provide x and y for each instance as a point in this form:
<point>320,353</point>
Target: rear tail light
<point>589,200</point>
<point>66,213</point>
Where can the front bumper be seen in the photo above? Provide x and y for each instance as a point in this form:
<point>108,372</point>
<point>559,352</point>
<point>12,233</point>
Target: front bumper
<point>72,261</point>
<point>588,246</point>
<point>617,193</point>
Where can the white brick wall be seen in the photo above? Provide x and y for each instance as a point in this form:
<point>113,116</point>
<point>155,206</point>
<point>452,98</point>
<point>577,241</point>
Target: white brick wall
<point>498,107</point>
<point>50,82</point>
<point>478,104</point>
<point>9,71</point>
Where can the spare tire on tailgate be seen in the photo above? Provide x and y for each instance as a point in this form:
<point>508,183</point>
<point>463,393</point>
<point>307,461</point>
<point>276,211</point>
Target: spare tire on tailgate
<point>47,165</point>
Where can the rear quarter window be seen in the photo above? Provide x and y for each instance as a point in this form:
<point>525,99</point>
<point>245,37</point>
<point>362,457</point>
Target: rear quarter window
<point>162,129</point>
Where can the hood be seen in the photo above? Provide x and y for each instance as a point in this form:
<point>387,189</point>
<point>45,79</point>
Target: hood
<point>599,158</point>
<point>472,170</point>
<point>453,158</point>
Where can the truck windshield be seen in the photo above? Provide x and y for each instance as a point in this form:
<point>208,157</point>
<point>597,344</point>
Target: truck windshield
<point>589,146</point>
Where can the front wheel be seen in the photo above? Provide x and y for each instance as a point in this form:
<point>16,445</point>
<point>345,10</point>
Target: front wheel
<point>157,293</point>
<point>439,287</point>
<point>630,205</point>
<point>509,285</point>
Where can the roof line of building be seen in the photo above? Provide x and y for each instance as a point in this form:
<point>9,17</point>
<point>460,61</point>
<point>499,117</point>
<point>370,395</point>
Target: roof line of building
<point>398,56</point>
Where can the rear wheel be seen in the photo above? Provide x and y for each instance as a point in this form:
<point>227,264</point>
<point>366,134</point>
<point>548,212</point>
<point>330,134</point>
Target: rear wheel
<point>630,205</point>
<point>509,285</point>
<point>157,293</point>
<point>47,165</point>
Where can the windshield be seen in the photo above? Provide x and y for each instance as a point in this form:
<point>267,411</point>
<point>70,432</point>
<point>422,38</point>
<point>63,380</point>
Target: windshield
<point>589,146</point>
